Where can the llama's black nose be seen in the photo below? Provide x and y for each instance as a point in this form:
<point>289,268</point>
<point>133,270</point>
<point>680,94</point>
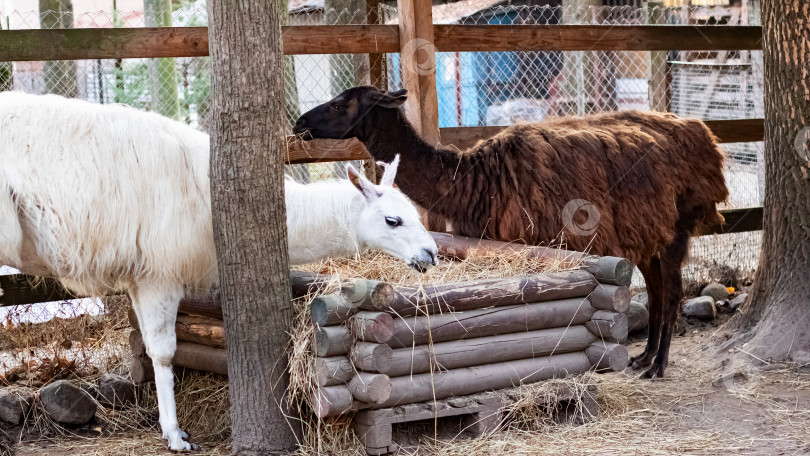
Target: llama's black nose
<point>300,126</point>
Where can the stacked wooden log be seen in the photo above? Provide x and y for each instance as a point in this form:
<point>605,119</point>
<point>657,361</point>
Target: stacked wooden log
<point>379,345</point>
<point>201,331</point>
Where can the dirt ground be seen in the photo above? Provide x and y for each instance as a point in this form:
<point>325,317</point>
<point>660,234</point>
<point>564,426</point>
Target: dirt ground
<point>708,404</point>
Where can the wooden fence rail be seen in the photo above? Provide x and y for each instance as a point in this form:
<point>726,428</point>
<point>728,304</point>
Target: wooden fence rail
<point>124,43</point>
<point>329,150</point>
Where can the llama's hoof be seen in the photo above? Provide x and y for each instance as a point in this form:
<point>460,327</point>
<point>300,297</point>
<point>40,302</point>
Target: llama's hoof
<point>177,441</point>
<point>656,371</point>
<point>641,361</point>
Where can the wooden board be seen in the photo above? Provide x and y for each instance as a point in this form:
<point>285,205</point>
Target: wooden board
<point>727,131</point>
<point>18,289</point>
<point>324,150</point>
<point>737,130</point>
<point>329,150</point>
<point>737,221</point>
<point>129,43</point>
<point>125,43</point>
<point>492,38</point>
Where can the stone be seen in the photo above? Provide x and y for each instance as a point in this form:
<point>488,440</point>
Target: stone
<point>115,390</point>
<point>67,403</point>
<point>642,298</point>
<point>14,404</point>
<point>701,307</point>
<point>737,301</point>
<point>637,317</point>
<point>717,291</point>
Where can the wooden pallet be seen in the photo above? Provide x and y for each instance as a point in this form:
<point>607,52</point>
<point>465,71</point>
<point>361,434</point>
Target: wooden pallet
<point>480,413</point>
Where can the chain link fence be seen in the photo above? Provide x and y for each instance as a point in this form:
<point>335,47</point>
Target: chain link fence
<point>474,89</point>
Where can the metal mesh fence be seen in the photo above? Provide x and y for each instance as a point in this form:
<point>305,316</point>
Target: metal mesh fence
<point>474,88</point>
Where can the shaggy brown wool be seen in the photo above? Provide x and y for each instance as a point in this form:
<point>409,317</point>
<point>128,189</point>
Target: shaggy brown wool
<point>633,167</point>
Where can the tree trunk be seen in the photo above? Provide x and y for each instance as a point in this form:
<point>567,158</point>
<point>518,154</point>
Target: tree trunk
<point>59,75</point>
<point>247,193</point>
<point>162,72</point>
<point>778,309</point>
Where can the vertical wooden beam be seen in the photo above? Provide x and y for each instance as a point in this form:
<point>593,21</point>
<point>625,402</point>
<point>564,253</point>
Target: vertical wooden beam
<point>377,74</point>
<point>657,63</point>
<point>418,62</point>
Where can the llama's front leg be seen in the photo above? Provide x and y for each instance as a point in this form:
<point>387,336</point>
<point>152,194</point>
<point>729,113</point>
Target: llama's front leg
<point>672,291</point>
<point>652,281</point>
<point>157,312</point>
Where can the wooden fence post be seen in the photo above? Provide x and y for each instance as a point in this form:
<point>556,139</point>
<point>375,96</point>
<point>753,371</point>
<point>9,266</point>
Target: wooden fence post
<point>377,74</point>
<point>657,71</point>
<point>418,62</point>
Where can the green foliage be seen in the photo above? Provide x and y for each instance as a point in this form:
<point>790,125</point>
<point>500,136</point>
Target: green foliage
<point>132,85</point>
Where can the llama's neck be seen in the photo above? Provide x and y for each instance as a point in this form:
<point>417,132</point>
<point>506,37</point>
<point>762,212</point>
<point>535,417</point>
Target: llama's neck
<point>432,177</point>
<point>322,220</point>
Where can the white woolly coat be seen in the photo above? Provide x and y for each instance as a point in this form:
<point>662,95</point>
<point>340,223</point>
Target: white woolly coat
<point>97,195</point>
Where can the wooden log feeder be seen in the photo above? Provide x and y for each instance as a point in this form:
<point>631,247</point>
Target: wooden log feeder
<point>380,346</point>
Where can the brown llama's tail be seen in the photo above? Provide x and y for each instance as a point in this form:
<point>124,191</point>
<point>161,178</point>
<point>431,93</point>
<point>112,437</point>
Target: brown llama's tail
<point>709,186</point>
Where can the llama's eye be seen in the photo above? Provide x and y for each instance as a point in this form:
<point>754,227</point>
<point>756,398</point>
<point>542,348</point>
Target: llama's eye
<point>393,221</point>
<point>339,107</point>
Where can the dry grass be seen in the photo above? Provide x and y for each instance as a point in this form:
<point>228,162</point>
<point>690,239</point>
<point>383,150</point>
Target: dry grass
<point>477,266</point>
<point>84,346</point>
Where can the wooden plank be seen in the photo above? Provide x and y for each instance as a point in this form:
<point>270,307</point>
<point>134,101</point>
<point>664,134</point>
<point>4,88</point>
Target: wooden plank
<point>727,131</point>
<point>122,43</point>
<point>471,38</point>
<point>128,43</point>
<point>737,221</point>
<point>17,289</point>
<point>340,39</point>
<point>21,289</point>
<point>737,130</point>
<point>100,43</point>
<point>324,150</point>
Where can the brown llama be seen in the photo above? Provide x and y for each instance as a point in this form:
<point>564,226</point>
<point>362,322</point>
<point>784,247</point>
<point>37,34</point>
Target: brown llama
<point>650,179</point>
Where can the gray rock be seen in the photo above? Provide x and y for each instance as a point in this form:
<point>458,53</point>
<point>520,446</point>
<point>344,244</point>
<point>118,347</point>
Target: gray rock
<point>701,307</point>
<point>717,291</point>
<point>14,404</point>
<point>67,403</point>
<point>642,298</point>
<point>115,390</point>
<point>638,317</point>
<point>737,301</point>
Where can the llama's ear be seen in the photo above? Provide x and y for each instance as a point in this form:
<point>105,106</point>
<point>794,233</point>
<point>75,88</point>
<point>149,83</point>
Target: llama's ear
<point>361,183</point>
<point>390,99</point>
<point>390,171</point>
